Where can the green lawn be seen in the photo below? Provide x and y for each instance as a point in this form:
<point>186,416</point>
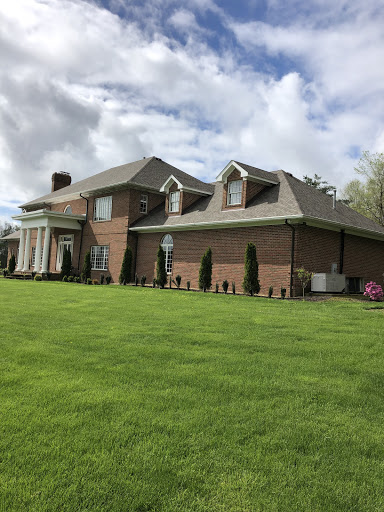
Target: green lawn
<point>130,399</point>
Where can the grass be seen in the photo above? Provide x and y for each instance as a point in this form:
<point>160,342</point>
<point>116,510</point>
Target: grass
<point>132,399</point>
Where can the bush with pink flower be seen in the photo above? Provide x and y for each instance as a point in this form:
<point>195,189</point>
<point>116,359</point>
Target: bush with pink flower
<point>374,291</point>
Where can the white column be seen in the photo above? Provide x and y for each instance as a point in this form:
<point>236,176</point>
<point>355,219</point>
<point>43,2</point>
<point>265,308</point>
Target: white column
<point>38,249</point>
<point>27,250</point>
<point>20,259</point>
<point>47,240</point>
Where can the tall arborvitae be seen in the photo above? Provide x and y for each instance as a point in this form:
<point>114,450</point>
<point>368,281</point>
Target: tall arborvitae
<point>251,275</point>
<point>12,264</point>
<point>86,272</point>
<point>66,265</point>
<point>205,273</point>
<point>126,267</point>
<point>161,272</point>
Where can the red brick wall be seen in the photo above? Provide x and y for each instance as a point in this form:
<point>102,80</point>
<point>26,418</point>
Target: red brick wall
<point>273,245</point>
<point>364,257</point>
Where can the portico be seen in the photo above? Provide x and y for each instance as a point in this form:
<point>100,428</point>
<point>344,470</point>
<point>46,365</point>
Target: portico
<point>42,220</point>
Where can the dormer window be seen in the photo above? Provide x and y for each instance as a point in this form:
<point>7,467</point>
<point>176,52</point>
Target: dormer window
<point>174,201</point>
<point>234,192</point>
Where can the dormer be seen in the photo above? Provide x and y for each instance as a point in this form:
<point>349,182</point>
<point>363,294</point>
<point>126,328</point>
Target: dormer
<point>181,195</point>
<point>241,183</point>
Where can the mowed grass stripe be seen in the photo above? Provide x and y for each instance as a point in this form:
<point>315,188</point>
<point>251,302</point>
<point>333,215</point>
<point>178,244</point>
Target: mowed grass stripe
<point>131,399</point>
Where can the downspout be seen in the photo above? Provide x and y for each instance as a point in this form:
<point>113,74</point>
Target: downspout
<point>292,256</point>
<point>82,222</point>
<point>342,239</point>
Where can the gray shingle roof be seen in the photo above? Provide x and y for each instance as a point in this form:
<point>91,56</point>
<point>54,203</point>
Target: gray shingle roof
<point>12,236</point>
<point>149,172</point>
<point>258,173</point>
<point>289,197</point>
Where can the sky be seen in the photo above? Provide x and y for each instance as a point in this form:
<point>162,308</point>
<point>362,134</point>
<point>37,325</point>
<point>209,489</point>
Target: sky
<point>279,84</point>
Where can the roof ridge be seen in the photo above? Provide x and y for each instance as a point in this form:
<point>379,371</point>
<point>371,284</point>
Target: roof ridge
<point>150,159</point>
<point>286,174</point>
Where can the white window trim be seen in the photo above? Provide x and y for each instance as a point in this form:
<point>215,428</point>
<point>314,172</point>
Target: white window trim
<point>102,210</point>
<point>230,194</point>
<point>94,257</point>
<point>68,207</point>
<point>174,202</point>
<point>168,250</point>
<point>144,203</point>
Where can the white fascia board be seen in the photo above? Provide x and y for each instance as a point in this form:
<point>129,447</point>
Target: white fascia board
<point>220,224</point>
<point>266,221</point>
<point>232,165</point>
<point>167,185</point>
<point>45,218</point>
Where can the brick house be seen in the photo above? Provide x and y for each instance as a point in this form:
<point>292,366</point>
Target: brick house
<point>149,202</point>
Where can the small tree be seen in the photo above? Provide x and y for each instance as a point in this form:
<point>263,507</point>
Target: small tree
<point>86,273</point>
<point>126,266</point>
<point>161,272</point>
<point>304,277</point>
<point>251,271</point>
<point>205,273</point>
<point>12,264</point>
<point>66,266</point>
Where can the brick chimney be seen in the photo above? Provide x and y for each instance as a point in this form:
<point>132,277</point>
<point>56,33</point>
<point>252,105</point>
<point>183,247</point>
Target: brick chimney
<point>60,180</point>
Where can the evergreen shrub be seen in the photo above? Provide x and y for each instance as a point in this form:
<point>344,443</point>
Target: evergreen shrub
<point>225,286</point>
<point>205,273</point>
<point>126,267</point>
<point>251,283</point>
<point>161,272</point>
<point>86,273</point>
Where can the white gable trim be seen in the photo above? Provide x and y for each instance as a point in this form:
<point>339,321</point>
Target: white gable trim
<point>171,180</point>
<point>232,165</point>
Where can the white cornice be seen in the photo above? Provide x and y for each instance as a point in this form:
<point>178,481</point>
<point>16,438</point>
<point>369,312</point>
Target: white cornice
<point>232,165</point>
<point>45,218</point>
<point>265,221</point>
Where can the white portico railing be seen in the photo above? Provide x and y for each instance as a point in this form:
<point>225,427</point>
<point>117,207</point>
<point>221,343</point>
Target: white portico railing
<point>42,220</point>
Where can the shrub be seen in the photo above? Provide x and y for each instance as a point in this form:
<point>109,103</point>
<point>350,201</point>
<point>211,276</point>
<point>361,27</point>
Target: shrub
<point>161,272</point>
<point>48,275</point>
<point>95,281</point>
<point>101,278</point>
<point>108,279</point>
<point>89,280</point>
<point>233,288</point>
<point>270,291</point>
<point>66,266</point>
<point>38,278</point>
<point>142,280</point>
<point>304,277</point>
<point>5,272</point>
<point>225,286</point>
<point>76,279</point>
<point>251,270</point>
<point>178,281</point>
<point>374,291</point>
<point>205,273</point>
<point>33,273</point>
<point>70,279</point>
<point>217,288</point>
<point>126,266</point>
<point>136,279</point>
<point>283,292</point>
<point>170,282</point>
<point>12,264</point>
<point>86,273</point>
<point>154,283</point>
<point>188,285</point>
<point>65,279</point>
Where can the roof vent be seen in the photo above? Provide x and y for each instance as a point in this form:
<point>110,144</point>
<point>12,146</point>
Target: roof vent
<point>60,180</point>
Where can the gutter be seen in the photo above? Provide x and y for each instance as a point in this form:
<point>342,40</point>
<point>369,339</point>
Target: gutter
<point>82,222</point>
<point>292,256</point>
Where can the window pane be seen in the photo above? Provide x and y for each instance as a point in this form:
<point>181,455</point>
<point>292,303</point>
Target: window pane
<point>234,192</point>
<point>174,201</point>
<point>143,203</point>
<point>103,208</point>
<point>99,257</point>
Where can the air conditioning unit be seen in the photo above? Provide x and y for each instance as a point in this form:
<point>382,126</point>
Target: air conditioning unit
<point>328,283</point>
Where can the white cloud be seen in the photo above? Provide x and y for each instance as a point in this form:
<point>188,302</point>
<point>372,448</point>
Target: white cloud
<point>83,90</point>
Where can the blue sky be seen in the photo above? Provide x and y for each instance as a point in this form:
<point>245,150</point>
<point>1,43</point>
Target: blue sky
<point>85,86</point>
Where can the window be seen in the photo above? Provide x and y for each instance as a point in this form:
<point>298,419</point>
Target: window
<point>174,200</point>
<point>103,208</point>
<point>99,257</point>
<point>68,209</point>
<point>234,192</point>
<point>33,260</point>
<point>167,245</point>
<point>143,203</point>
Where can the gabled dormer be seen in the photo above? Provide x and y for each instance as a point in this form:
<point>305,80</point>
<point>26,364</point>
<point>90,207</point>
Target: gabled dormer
<point>242,182</point>
<point>181,195</point>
